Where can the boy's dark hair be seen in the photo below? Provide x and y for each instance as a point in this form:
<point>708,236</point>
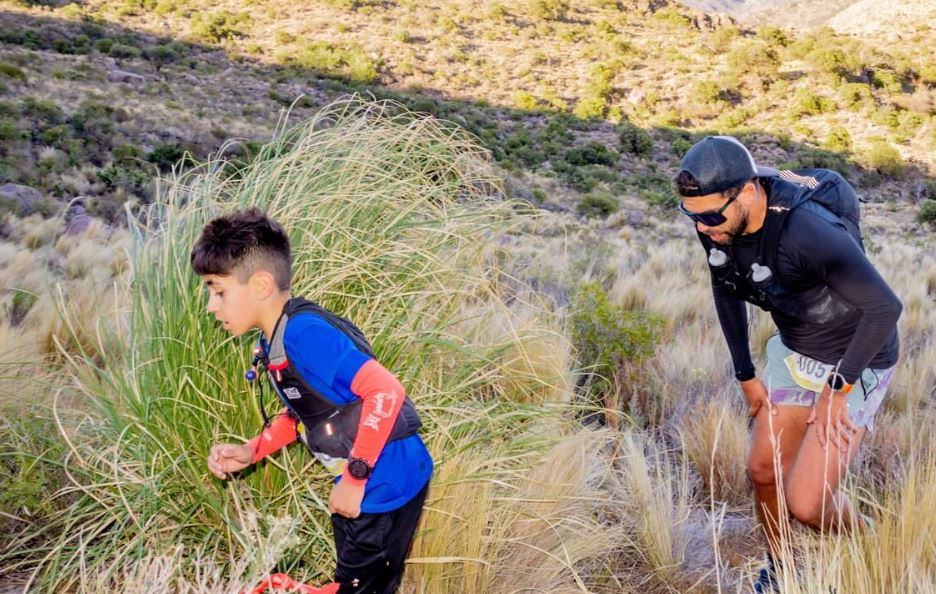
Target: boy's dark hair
<point>241,243</point>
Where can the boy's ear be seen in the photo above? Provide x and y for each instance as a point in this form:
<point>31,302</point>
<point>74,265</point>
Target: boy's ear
<point>262,284</point>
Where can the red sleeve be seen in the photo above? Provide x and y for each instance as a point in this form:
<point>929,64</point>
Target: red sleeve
<point>280,433</point>
<point>382,396</point>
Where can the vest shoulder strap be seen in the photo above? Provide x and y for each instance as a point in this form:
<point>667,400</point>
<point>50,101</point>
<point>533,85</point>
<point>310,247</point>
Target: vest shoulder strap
<point>299,305</point>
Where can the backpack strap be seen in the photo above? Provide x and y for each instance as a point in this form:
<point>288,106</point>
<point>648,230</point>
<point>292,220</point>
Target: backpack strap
<point>299,305</point>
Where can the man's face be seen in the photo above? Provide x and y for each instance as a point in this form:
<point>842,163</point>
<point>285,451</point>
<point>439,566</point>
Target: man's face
<point>736,215</point>
<point>232,303</point>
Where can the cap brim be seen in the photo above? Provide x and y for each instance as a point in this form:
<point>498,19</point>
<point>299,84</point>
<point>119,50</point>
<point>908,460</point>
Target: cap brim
<point>766,171</point>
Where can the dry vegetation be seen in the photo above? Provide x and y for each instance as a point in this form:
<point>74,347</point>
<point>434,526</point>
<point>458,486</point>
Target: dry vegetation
<point>567,463</point>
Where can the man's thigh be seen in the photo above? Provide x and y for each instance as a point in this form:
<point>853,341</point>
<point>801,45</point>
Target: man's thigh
<point>776,438</point>
<point>817,472</point>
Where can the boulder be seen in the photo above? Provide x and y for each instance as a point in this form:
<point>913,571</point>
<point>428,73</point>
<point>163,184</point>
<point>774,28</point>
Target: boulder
<point>77,219</point>
<point>23,199</point>
<point>122,76</point>
<point>636,218</point>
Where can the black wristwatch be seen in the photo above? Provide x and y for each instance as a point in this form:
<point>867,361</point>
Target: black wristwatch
<point>837,382</point>
<point>359,468</point>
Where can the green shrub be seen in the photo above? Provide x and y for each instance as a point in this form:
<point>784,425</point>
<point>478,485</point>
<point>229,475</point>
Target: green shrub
<point>127,154</point>
<point>754,56</point>
<point>807,102</point>
<point>635,140</point>
<point>855,95</point>
<point>927,75</point>
<point>93,123</point>
<point>774,36</point>
<point>525,100</point>
<point>885,159</point>
<point>131,179</point>
<point>593,103</point>
<point>72,11</point>
<point>350,62</point>
<point>607,337</point>
<point>122,51</point>
<point>886,80</point>
<point>577,178</point>
<point>828,59</point>
<point>723,37</point>
<point>681,146</point>
<point>590,107</point>
<point>597,204</point>
<point>160,55</point>
<point>219,26</point>
<point>664,197</point>
<point>672,16</point>
<point>521,148</point>
<point>592,153</point>
<point>10,71</point>
<point>816,158</point>
<point>548,10</point>
<point>709,92</point>
<point>166,155</point>
<point>838,140</point>
<point>927,212</point>
<point>10,132</point>
<point>43,111</point>
<point>104,45</point>
<point>56,136</point>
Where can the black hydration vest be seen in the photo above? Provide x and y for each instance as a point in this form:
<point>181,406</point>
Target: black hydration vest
<point>829,196</point>
<point>326,428</point>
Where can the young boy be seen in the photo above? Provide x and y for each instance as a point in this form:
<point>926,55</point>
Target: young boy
<point>350,411</point>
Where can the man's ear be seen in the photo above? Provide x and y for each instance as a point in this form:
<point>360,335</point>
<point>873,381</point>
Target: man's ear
<point>749,193</point>
<point>262,284</point>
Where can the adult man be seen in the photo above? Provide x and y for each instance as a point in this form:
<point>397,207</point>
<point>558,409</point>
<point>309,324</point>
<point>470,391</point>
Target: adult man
<point>790,243</point>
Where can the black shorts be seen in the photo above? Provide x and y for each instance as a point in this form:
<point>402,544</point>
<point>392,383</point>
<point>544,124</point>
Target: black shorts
<point>372,548</point>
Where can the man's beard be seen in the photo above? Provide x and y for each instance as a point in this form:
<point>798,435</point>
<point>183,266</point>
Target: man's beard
<point>735,230</point>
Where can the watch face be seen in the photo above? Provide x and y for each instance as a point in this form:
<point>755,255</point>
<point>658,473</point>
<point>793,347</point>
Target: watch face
<point>836,382</point>
<point>358,469</point>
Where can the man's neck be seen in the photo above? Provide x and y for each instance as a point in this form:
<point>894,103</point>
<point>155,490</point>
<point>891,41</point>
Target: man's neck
<point>758,211</point>
<point>272,314</point>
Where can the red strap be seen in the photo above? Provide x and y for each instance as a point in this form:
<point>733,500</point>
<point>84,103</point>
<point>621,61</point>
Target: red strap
<point>281,581</point>
<point>280,433</point>
<point>383,397</point>
<point>278,366</point>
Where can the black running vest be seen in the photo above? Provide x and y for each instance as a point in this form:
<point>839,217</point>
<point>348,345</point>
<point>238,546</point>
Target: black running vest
<point>326,428</point>
<point>825,193</point>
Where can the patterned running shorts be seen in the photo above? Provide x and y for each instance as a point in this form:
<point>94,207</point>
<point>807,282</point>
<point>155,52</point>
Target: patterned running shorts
<point>863,401</point>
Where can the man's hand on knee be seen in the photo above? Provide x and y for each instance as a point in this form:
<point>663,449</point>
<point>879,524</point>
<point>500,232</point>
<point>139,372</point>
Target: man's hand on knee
<point>755,392</point>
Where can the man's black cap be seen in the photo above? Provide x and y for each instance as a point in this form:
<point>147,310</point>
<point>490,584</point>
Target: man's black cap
<point>715,164</point>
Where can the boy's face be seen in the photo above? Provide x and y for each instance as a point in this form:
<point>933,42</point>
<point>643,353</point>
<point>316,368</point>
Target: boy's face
<point>233,303</point>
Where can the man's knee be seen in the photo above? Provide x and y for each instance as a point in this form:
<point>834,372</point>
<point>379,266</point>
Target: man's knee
<point>807,510</point>
<point>761,470</point>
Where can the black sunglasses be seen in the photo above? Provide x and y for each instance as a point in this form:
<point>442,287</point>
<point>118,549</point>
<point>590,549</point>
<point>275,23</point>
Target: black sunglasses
<point>711,218</point>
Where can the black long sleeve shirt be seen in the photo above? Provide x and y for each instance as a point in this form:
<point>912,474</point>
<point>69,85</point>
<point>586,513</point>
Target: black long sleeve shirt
<point>814,251</point>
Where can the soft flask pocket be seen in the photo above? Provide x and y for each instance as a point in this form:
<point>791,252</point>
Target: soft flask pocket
<point>333,436</point>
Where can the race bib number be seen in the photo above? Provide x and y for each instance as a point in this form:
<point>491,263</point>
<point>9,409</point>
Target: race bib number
<point>808,373</point>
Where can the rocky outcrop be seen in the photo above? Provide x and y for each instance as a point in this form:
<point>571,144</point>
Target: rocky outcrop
<point>122,76</point>
<point>22,200</point>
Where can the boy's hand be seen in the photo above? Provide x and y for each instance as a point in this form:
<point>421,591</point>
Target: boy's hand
<point>228,457</point>
<point>345,499</point>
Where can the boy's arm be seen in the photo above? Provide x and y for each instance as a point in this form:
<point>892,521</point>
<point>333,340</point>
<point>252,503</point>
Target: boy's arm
<point>280,433</point>
<point>382,395</point>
